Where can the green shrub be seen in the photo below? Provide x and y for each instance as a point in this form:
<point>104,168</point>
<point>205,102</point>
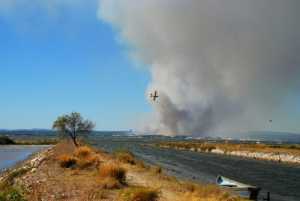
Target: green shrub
<point>11,194</point>
<point>6,140</point>
<point>9,180</point>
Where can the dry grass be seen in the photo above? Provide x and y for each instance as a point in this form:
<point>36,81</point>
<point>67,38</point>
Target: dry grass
<point>101,194</point>
<point>223,197</point>
<point>67,161</point>
<point>141,164</point>
<point>86,157</point>
<point>201,192</point>
<point>113,170</point>
<point>157,169</point>
<point>82,158</point>
<point>229,147</point>
<point>138,194</point>
<point>83,151</point>
<point>87,162</point>
<point>189,186</point>
<point>125,156</point>
<point>110,183</point>
<point>197,146</point>
<point>283,149</point>
<point>208,190</point>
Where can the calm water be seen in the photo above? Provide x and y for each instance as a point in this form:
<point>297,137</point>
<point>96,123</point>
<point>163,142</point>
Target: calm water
<point>283,181</point>
<point>11,154</point>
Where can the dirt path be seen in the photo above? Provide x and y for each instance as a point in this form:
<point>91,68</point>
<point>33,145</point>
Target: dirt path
<point>150,180</point>
<point>50,182</point>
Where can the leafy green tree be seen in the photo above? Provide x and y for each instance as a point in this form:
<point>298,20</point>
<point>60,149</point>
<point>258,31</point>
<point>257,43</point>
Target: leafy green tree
<point>73,125</point>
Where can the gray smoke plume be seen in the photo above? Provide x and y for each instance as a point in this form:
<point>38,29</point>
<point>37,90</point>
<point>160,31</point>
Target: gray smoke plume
<point>218,65</point>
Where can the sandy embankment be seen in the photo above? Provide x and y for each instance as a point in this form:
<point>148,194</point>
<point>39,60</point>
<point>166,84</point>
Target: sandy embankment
<point>276,157</point>
<point>30,164</point>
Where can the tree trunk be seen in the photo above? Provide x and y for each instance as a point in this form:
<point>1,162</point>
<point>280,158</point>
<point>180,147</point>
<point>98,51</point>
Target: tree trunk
<point>75,141</point>
<point>74,137</point>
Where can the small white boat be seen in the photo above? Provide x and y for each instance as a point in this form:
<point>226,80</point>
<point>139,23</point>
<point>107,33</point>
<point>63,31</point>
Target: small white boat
<point>244,190</point>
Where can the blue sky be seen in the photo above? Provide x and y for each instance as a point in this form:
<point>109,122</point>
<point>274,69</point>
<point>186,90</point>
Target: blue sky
<point>57,56</point>
<point>62,60</point>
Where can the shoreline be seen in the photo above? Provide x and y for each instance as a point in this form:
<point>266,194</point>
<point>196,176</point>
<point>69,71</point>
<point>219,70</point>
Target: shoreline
<point>30,162</point>
<point>42,176</point>
<point>255,155</point>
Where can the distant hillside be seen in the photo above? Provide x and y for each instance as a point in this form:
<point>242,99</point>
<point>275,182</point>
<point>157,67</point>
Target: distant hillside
<point>27,132</point>
<point>255,135</point>
<point>49,132</point>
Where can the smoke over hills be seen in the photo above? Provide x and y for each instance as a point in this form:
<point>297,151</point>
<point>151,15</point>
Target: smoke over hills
<point>218,65</point>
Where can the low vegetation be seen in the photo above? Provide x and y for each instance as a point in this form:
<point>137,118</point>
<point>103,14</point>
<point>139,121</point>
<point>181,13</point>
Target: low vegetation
<point>11,194</point>
<point>82,173</point>
<point>82,158</point>
<point>110,183</point>
<point>67,161</point>
<point>138,194</point>
<point>125,156</point>
<point>6,140</point>
<point>157,169</point>
<point>8,190</point>
<point>37,142</point>
<point>113,170</point>
<point>209,192</point>
<point>85,157</point>
<point>229,147</point>
<point>8,180</point>
<point>83,151</point>
<point>87,162</point>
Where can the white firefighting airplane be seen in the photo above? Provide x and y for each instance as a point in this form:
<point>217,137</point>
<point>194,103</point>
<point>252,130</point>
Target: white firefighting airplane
<point>154,96</point>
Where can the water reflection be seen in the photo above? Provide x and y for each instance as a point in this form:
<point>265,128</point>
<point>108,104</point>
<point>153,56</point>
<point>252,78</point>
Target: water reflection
<point>11,154</point>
